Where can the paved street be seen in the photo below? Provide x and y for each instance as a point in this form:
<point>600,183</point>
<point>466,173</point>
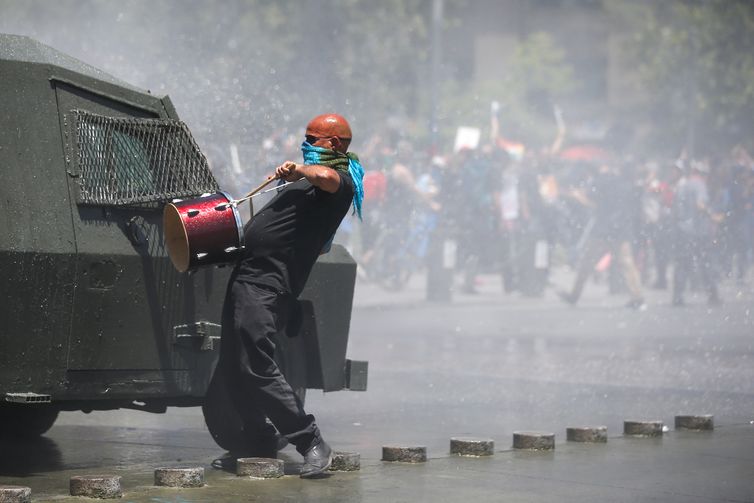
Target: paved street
<point>483,366</point>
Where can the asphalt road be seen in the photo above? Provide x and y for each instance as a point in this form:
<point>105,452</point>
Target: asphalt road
<point>483,366</point>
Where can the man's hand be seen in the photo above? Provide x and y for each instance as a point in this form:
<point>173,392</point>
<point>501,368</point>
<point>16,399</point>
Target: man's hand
<point>288,171</point>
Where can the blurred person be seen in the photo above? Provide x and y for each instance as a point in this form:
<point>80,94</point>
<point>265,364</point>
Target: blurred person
<point>694,229</point>
<point>508,205</point>
<point>720,190</point>
<point>573,213</point>
<point>395,252</point>
<point>284,239</point>
<point>739,222</point>
<point>613,207</point>
<point>427,211</point>
<point>657,210</point>
<point>476,212</point>
<point>375,190</point>
<point>533,257</point>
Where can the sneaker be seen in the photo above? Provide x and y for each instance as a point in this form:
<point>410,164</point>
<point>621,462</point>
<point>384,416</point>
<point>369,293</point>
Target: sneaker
<point>568,298</point>
<point>637,305</point>
<point>316,460</point>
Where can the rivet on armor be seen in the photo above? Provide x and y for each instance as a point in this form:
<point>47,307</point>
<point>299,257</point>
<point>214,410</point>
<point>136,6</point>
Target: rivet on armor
<point>533,440</point>
<point>96,486</point>
<point>464,446</point>
<point>15,494</point>
<point>703,422</point>
<point>345,462</point>
<point>179,477</point>
<point>643,428</point>
<point>592,434</point>
<point>260,468</point>
<point>416,454</point>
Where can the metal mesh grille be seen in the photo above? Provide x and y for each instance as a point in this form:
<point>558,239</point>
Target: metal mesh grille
<point>127,161</point>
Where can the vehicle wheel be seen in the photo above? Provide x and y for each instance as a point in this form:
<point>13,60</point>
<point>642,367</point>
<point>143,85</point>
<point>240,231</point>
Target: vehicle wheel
<point>223,422</point>
<point>26,420</point>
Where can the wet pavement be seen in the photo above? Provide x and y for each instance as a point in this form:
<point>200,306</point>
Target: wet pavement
<point>482,366</point>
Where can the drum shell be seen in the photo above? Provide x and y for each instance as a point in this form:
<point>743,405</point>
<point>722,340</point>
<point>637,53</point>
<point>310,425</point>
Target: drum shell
<point>209,231</point>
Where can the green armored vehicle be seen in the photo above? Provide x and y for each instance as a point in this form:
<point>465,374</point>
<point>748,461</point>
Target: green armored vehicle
<point>93,315</point>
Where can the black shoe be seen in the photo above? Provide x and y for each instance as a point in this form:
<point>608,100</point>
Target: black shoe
<point>316,460</point>
<point>227,462</point>
<point>568,298</point>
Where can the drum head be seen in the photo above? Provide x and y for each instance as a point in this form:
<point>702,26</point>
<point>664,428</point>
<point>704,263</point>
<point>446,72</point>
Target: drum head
<point>176,238</point>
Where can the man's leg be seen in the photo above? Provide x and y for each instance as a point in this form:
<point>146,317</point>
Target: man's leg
<point>593,249</point>
<point>704,258</point>
<point>631,274</point>
<point>682,267</point>
<point>260,315</point>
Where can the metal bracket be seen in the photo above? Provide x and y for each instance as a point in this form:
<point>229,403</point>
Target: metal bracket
<point>356,375</point>
<point>27,398</point>
<point>204,331</point>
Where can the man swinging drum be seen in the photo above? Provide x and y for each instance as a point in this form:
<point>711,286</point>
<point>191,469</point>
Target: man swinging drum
<point>283,240</point>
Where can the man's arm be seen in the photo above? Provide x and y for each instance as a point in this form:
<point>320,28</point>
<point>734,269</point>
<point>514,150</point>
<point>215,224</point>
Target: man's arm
<point>322,177</point>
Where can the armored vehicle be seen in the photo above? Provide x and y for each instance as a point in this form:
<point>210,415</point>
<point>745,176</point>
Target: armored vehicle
<point>93,315</point>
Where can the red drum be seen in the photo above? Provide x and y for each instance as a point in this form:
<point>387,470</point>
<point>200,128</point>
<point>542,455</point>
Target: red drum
<point>202,231</point>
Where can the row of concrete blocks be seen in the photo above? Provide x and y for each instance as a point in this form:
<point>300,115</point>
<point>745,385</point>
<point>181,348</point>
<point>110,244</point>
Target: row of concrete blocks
<point>541,441</point>
<point>109,486</point>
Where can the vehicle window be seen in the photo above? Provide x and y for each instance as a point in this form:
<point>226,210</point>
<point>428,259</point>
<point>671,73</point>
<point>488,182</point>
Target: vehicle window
<point>130,161</point>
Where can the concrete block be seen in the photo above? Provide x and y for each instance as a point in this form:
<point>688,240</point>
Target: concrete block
<point>704,422</point>
<point>415,454</point>
<point>345,462</point>
<point>464,446</point>
<point>15,494</point>
<point>96,486</point>
<point>592,434</point>
<point>260,468</point>
<point>179,477</point>
<point>643,428</point>
<point>533,440</point>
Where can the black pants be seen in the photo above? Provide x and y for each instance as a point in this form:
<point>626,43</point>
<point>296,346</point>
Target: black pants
<point>253,316</point>
<point>693,254</point>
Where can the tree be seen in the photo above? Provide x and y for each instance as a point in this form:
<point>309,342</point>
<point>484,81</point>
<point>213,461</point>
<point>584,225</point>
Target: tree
<point>695,60</point>
<point>537,76</point>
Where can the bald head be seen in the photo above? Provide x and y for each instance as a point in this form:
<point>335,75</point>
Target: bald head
<point>329,131</point>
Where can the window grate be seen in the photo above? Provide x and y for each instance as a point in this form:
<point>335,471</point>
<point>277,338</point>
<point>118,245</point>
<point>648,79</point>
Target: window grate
<point>129,161</point>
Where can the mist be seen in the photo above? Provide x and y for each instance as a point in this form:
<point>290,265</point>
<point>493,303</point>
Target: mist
<point>544,152</point>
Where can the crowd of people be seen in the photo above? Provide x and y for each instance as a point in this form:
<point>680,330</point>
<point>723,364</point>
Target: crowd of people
<point>636,223</point>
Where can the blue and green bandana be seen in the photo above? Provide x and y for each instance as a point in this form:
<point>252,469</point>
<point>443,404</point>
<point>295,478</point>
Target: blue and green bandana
<point>347,163</point>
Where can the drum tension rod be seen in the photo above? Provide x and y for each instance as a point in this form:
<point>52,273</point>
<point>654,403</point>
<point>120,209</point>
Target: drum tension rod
<point>225,206</point>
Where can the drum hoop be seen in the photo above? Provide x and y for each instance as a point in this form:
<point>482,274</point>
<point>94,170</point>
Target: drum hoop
<point>237,216</point>
<point>172,208</point>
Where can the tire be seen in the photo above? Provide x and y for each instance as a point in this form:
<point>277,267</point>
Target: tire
<point>223,422</point>
<point>26,421</point>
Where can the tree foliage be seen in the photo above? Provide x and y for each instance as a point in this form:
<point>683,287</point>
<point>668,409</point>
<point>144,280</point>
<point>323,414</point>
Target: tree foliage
<point>537,75</point>
<point>695,60</point>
